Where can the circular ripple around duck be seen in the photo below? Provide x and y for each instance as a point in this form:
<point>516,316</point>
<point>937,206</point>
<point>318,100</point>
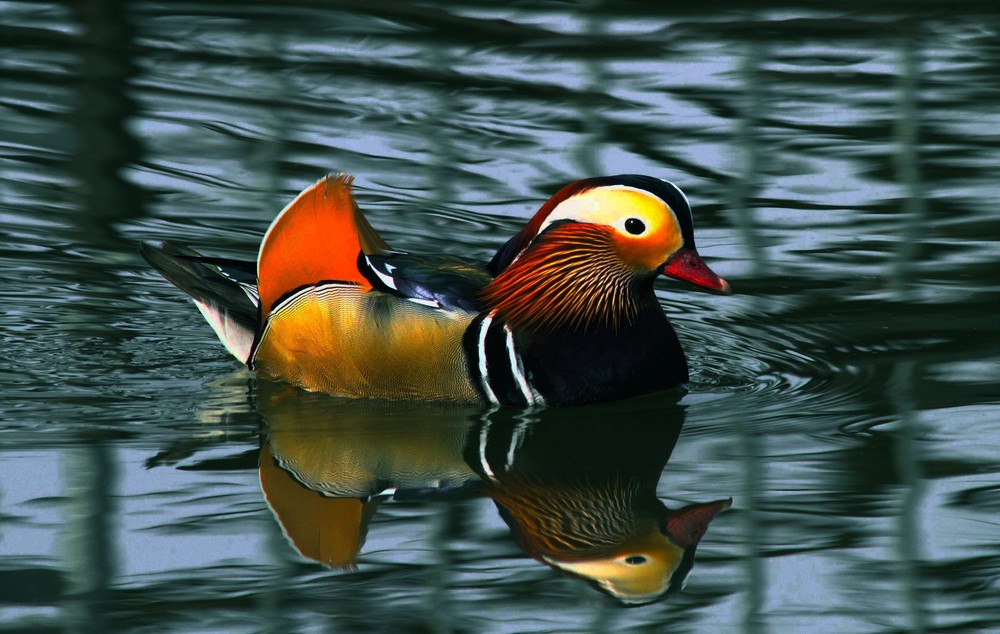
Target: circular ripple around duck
<point>784,373</point>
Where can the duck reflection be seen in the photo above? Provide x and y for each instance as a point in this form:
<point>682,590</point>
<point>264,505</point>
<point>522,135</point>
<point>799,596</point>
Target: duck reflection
<point>577,487</point>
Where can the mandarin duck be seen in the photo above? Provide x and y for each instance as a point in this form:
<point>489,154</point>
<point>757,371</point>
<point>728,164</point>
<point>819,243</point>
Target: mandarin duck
<point>564,313</point>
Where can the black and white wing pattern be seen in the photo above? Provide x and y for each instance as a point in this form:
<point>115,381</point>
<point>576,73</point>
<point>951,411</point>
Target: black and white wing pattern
<point>445,282</point>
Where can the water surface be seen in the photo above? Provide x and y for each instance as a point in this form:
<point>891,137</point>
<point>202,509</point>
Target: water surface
<point>843,168</point>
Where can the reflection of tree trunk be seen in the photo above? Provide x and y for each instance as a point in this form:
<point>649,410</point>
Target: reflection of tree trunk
<point>907,450</point>
<point>263,161</point>
<point>102,148</point>
<point>745,186</point>
<point>587,154</point>
<point>265,155</point>
<point>908,167</point>
<point>103,145</point>
<point>90,472</point>
<point>752,448</point>
<point>438,615</point>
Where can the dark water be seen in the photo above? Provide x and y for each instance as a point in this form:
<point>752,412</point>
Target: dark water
<point>844,166</point>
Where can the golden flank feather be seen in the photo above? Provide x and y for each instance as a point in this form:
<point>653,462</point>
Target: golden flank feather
<point>344,341</point>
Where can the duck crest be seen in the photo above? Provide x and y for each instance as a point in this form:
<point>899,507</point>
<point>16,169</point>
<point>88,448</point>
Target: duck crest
<point>506,255</point>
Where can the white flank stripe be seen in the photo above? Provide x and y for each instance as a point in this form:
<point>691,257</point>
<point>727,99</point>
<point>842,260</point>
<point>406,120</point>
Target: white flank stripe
<point>483,377</point>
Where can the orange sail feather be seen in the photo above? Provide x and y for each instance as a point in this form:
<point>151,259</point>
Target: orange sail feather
<point>315,238</point>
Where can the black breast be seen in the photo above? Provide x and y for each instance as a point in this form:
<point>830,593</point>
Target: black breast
<point>573,367</point>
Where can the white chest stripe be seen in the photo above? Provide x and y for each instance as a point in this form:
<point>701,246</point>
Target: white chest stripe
<point>481,348</point>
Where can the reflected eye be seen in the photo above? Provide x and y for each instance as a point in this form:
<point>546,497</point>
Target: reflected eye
<point>635,226</point>
<point>635,560</point>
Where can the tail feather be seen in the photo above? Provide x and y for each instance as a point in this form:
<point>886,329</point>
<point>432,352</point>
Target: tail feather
<point>225,291</point>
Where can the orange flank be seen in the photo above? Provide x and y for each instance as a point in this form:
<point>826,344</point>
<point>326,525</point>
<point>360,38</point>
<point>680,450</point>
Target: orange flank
<point>317,237</point>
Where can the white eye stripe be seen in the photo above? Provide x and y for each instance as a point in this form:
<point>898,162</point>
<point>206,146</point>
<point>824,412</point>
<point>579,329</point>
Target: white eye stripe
<point>577,206</point>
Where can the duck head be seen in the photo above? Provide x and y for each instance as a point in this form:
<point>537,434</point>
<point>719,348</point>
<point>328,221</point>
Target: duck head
<point>650,563</point>
<point>591,253</point>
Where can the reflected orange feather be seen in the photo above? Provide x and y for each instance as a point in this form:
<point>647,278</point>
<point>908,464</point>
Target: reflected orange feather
<point>327,530</point>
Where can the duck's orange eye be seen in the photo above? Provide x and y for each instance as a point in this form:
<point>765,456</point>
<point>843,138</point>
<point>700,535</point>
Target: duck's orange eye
<point>635,226</point>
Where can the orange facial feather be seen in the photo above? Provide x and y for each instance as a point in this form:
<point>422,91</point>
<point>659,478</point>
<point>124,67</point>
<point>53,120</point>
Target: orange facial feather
<point>524,237</point>
<point>572,277</point>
